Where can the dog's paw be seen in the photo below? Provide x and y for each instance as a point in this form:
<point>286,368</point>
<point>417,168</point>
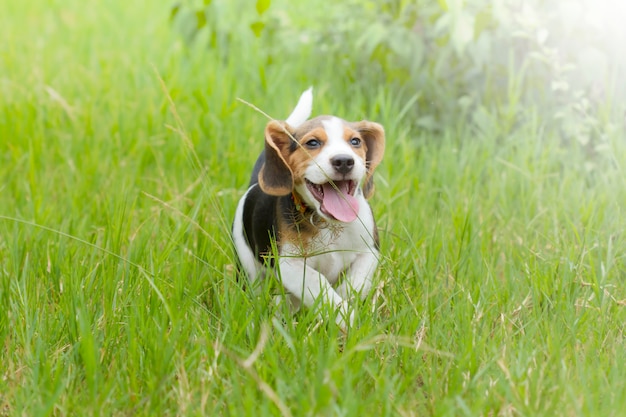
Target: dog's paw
<point>292,303</point>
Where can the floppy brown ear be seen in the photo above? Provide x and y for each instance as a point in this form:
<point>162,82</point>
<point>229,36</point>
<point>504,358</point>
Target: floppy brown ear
<point>275,177</point>
<point>374,136</point>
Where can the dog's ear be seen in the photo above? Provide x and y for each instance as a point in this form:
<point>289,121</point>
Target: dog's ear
<point>374,136</point>
<point>275,177</point>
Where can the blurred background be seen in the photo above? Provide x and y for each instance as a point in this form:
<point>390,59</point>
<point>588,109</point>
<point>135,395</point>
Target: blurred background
<point>484,65</point>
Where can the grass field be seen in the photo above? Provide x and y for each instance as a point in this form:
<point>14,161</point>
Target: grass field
<point>122,156</point>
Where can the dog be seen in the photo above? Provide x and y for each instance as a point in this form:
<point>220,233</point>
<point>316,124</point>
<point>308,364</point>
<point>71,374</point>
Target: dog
<point>306,213</point>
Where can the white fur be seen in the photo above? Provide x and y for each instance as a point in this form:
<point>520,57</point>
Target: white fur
<point>303,109</point>
<point>248,261</point>
<point>334,129</point>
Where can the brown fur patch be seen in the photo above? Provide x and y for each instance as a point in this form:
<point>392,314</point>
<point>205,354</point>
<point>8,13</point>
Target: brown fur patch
<point>373,135</point>
<point>299,229</point>
<point>349,134</point>
<point>300,158</point>
<point>275,177</point>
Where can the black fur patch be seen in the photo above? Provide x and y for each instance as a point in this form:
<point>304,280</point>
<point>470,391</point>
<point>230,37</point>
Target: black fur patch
<point>260,223</point>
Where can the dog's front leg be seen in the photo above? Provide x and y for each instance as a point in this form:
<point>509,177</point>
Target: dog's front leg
<point>359,275</point>
<point>309,285</point>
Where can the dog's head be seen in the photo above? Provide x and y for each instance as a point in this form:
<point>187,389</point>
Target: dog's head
<point>326,161</point>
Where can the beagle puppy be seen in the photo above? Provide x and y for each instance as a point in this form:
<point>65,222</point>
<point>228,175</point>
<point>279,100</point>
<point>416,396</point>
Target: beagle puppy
<point>306,214</point>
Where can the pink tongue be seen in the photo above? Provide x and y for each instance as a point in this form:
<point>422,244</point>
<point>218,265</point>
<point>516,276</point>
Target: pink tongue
<point>339,204</point>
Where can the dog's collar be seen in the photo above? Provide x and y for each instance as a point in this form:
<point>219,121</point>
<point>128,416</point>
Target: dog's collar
<point>297,201</point>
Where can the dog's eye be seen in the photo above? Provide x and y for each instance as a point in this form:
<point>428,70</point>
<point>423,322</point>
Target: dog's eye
<point>356,142</point>
<point>313,143</point>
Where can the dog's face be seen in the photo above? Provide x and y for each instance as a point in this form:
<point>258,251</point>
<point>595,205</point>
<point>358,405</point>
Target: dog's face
<point>327,161</point>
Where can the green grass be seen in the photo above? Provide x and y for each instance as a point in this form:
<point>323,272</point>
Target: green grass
<point>122,157</point>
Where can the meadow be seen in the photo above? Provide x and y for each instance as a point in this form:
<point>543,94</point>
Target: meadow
<point>123,152</point>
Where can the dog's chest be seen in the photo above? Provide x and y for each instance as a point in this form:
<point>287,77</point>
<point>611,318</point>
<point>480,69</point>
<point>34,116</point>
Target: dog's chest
<point>336,247</point>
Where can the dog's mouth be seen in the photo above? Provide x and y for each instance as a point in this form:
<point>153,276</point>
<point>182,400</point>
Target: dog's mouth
<point>336,199</point>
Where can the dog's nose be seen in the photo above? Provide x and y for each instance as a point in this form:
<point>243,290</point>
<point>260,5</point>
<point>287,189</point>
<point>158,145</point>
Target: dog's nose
<point>342,163</point>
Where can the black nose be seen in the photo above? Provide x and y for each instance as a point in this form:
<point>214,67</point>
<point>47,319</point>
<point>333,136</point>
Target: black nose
<point>342,163</point>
